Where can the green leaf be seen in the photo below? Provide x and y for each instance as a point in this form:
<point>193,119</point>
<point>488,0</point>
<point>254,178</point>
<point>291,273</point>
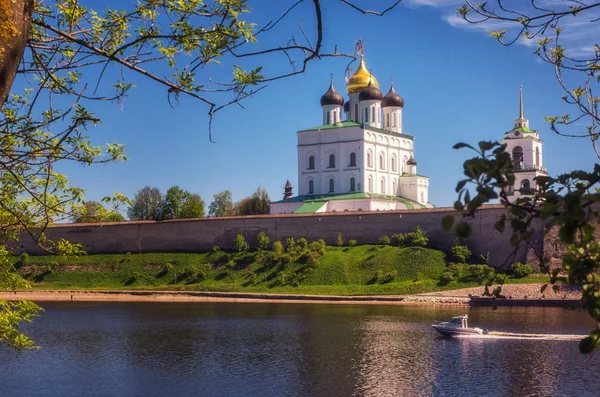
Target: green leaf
<point>447,222</point>
<point>463,229</point>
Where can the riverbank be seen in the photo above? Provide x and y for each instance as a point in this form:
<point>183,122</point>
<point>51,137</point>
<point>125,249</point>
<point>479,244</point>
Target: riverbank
<point>516,292</point>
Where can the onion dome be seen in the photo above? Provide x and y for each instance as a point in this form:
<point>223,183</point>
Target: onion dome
<point>411,161</point>
<point>392,99</point>
<point>360,80</point>
<point>347,107</point>
<point>332,97</point>
<point>371,93</point>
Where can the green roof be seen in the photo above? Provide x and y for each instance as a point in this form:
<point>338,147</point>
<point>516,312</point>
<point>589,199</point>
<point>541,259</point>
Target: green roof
<point>311,203</point>
<point>352,123</point>
<point>339,124</point>
<point>522,130</point>
<point>310,207</point>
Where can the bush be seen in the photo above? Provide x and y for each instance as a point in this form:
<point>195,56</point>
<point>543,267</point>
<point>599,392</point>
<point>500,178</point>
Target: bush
<point>240,243</point>
<point>301,246</point>
<point>340,239</point>
<point>318,247</point>
<point>479,272</point>
<point>384,240</point>
<point>278,249</point>
<point>290,244</point>
<point>418,237</point>
<point>215,249</point>
<point>263,241</point>
<point>447,277</point>
<point>352,242</point>
<point>460,252</point>
<point>521,270</point>
<point>398,239</point>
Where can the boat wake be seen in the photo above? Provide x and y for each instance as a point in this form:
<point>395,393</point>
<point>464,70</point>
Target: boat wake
<point>510,335</point>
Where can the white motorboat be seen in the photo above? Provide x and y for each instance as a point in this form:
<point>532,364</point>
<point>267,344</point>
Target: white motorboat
<point>457,326</point>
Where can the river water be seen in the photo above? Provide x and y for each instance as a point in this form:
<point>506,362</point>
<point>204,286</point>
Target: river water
<point>245,349</point>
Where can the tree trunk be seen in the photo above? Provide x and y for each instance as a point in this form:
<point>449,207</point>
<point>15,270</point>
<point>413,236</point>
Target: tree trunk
<point>15,21</point>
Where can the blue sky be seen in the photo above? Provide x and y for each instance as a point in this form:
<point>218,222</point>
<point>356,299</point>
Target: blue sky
<point>457,82</point>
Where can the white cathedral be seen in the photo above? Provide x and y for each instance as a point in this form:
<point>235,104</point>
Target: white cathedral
<point>360,162</point>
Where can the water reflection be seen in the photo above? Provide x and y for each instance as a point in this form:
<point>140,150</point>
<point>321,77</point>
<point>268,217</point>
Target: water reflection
<point>294,350</point>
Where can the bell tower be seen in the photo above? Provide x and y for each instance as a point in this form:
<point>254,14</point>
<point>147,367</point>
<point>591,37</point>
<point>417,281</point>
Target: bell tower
<point>525,148</point>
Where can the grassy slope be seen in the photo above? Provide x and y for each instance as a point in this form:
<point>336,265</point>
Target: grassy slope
<point>341,271</point>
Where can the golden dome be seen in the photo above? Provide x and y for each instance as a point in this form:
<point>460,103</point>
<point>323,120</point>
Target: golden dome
<point>360,79</point>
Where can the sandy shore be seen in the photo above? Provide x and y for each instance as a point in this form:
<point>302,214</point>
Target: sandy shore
<point>453,297</point>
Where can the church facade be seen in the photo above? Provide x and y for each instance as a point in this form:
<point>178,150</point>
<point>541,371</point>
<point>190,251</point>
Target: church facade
<point>360,158</point>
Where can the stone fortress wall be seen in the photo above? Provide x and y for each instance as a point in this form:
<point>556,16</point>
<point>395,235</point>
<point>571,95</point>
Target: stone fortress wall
<point>198,235</point>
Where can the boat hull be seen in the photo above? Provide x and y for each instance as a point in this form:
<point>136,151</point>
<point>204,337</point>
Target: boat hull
<point>453,331</point>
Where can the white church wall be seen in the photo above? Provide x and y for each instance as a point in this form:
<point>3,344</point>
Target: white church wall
<point>284,208</point>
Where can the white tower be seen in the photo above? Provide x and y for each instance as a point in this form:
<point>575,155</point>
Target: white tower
<point>525,148</point>
<point>332,103</point>
<point>392,105</point>
<point>370,106</point>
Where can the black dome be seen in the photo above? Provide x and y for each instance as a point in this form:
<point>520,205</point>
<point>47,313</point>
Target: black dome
<point>411,161</point>
<point>371,93</point>
<point>332,97</point>
<point>347,107</point>
<point>392,99</point>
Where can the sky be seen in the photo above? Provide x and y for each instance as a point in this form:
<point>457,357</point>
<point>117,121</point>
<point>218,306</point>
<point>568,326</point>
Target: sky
<point>458,83</point>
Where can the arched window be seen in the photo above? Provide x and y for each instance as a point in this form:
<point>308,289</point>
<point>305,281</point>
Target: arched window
<point>383,186</point>
<point>373,113</point>
<point>537,158</point>
<point>394,188</point>
<point>369,160</point>
<point>331,185</point>
<point>328,118</point>
<point>352,159</point>
<point>311,187</point>
<point>332,160</point>
<point>356,113</point>
<point>422,197</point>
<point>352,184</point>
<point>517,155</point>
<point>394,164</point>
<point>394,120</point>
<point>311,163</point>
<point>387,121</point>
<point>525,184</point>
<point>366,115</point>
<point>370,183</point>
<point>381,162</point>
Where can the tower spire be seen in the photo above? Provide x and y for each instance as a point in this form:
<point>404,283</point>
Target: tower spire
<point>521,115</point>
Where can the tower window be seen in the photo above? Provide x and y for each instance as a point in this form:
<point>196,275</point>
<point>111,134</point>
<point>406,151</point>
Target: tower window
<point>366,115</point>
<point>328,118</point>
<point>352,184</point>
<point>381,162</point>
<point>311,187</point>
<point>356,113</point>
<point>525,184</point>
<point>393,164</point>
<point>537,157</point>
<point>383,186</point>
<point>332,161</point>
<point>311,163</point>
<point>369,160</point>
<point>331,185</point>
<point>394,120</point>
<point>352,159</point>
<point>394,188</point>
<point>370,183</point>
<point>387,122</point>
<point>517,155</point>
<point>373,113</point>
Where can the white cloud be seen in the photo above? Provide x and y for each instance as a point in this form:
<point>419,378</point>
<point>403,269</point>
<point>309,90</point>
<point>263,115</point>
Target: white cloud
<point>575,36</point>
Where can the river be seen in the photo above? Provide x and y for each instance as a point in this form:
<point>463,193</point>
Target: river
<point>246,349</point>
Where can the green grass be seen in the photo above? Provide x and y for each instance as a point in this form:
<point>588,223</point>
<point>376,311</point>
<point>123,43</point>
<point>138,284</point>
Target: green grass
<point>359,270</point>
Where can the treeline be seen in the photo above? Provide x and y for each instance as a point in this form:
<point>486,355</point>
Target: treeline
<point>149,203</point>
